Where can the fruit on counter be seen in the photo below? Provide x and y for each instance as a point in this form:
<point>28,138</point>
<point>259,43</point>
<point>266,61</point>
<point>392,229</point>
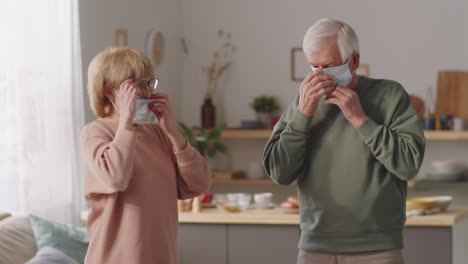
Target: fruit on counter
<point>231,208</point>
<point>294,201</point>
<point>291,203</point>
<point>286,205</point>
<point>206,198</point>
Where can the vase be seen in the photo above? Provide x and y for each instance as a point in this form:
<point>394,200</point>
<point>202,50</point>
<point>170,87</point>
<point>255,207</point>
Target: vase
<point>208,114</point>
<point>264,118</point>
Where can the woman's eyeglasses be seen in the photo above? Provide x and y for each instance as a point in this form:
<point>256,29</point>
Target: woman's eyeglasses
<point>147,86</point>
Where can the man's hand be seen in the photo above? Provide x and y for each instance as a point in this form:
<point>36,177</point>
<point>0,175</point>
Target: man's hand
<point>312,89</point>
<point>348,101</point>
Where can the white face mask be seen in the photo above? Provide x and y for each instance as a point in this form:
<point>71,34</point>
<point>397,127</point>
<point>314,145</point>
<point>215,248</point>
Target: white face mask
<point>142,111</point>
<point>341,74</point>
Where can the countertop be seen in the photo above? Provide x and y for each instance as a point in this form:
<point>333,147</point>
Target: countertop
<point>272,217</point>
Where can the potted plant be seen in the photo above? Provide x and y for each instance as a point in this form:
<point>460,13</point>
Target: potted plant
<point>206,141</point>
<point>264,107</point>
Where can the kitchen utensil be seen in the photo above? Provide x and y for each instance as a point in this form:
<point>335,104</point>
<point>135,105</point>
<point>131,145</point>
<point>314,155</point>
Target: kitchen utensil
<point>452,94</point>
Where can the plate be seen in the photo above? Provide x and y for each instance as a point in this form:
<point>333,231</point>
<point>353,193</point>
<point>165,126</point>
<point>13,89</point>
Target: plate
<point>428,203</point>
<point>263,206</point>
<point>288,210</point>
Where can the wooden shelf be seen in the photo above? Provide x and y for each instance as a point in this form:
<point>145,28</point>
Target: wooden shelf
<point>237,133</point>
<point>446,135</point>
<point>243,181</point>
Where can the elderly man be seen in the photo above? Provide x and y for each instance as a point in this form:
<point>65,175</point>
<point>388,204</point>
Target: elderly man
<point>351,142</point>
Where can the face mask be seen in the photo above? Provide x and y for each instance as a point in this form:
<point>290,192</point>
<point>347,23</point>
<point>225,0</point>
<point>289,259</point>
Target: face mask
<point>341,74</point>
<point>142,111</point>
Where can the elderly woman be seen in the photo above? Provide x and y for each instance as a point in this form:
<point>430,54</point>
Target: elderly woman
<point>135,172</point>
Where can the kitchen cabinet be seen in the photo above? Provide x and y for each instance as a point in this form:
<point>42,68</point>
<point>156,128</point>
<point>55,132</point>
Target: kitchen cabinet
<point>213,237</point>
<point>262,244</point>
<point>204,244</point>
<point>237,244</point>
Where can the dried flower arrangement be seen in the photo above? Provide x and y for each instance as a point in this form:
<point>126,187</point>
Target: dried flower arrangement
<point>221,62</point>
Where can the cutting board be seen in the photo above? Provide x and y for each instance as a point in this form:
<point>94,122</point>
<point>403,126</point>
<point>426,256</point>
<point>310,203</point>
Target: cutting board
<point>418,104</point>
<point>452,93</point>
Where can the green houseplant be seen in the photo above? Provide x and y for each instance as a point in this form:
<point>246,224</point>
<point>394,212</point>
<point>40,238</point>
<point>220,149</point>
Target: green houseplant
<point>264,107</point>
<point>206,141</point>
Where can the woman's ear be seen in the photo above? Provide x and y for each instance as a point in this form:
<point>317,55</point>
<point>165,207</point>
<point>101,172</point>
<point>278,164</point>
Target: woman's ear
<point>110,94</point>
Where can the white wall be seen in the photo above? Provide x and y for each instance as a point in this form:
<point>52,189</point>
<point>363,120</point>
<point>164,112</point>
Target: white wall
<point>100,19</point>
<point>407,41</point>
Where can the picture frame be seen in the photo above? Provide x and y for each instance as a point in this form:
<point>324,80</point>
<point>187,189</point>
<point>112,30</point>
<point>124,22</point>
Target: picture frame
<point>363,69</point>
<point>299,65</point>
<point>121,37</point>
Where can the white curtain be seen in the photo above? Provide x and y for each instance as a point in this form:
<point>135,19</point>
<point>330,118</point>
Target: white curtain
<point>41,109</point>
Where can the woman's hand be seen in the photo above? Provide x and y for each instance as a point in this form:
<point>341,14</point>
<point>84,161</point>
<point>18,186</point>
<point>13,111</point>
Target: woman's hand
<point>125,101</point>
<point>162,108</point>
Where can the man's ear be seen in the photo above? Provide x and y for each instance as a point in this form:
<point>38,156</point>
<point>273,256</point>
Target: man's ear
<point>355,60</point>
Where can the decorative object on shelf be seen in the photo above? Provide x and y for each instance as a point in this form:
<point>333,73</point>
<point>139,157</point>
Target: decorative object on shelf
<point>221,61</point>
<point>264,107</point>
<point>446,122</point>
<point>250,124</point>
<point>154,46</point>
<point>121,37</point>
<point>363,69</point>
<point>418,104</point>
<point>228,175</point>
<point>207,142</point>
<point>208,114</point>
<point>429,116</point>
<point>458,124</point>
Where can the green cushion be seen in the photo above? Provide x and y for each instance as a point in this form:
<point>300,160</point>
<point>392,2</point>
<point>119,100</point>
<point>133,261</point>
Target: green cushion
<point>70,240</point>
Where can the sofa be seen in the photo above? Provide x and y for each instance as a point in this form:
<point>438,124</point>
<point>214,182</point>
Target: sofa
<point>33,240</point>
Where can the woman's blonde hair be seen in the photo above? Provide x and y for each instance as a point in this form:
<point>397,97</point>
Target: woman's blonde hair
<point>108,69</point>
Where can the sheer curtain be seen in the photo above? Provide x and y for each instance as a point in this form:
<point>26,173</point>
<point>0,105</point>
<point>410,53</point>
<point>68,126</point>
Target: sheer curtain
<point>41,109</point>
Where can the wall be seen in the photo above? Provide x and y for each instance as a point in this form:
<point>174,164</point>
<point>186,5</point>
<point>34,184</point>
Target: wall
<point>407,41</point>
<point>100,19</point>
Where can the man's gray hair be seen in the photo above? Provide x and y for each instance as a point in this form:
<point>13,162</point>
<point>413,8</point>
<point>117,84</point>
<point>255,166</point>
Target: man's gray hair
<point>319,34</point>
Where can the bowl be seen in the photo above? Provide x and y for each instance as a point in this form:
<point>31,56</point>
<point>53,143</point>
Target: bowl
<point>443,202</point>
<point>428,203</point>
<point>447,166</point>
<point>434,176</point>
<point>420,203</point>
<point>263,198</point>
<point>233,202</point>
<point>229,207</point>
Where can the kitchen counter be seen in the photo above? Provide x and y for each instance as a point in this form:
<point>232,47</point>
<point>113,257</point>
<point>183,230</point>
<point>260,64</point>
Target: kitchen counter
<point>272,217</point>
<point>270,236</point>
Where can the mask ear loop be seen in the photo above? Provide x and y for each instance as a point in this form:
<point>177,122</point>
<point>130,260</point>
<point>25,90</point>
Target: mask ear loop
<point>113,103</point>
<point>115,106</point>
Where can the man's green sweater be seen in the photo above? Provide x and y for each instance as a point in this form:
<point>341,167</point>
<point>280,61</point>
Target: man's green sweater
<point>351,182</point>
